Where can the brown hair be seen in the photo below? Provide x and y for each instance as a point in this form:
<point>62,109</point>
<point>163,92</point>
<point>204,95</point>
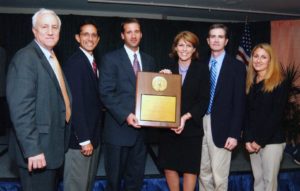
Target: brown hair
<point>186,36</point>
<point>128,21</point>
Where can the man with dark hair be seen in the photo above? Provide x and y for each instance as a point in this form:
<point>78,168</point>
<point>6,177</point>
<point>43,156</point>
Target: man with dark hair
<point>124,144</point>
<point>40,106</point>
<point>81,71</point>
<point>224,117</point>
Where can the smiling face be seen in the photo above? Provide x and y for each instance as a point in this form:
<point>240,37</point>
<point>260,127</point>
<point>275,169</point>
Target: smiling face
<point>88,38</point>
<point>132,35</point>
<point>217,40</point>
<point>46,31</point>
<point>261,60</point>
<point>184,51</point>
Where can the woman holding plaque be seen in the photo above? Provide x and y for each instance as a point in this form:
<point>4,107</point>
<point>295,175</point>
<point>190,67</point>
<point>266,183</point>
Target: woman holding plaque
<point>180,148</point>
<point>264,134</point>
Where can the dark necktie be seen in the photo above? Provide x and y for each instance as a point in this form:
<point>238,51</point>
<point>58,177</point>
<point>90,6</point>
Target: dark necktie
<point>213,83</point>
<point>94,65</point>
<point>136,65</point>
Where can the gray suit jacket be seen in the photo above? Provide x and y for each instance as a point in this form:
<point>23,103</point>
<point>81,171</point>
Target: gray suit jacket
<point>37,108</point>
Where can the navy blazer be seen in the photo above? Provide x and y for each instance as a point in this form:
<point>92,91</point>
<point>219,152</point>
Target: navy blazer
<point>118,92</point>
<point>86,107</point>
<point>37,108</point>
<point>228,106</point>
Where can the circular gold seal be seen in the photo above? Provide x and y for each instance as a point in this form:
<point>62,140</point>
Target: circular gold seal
<point>159,83</point>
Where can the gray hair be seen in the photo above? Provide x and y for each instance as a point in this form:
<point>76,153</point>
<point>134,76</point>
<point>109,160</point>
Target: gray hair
<point>43,11</point>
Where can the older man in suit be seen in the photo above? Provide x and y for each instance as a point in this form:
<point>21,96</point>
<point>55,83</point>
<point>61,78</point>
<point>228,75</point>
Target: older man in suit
<point>39,104</point>
<point>81,71</point>
<point>224,117</point>
<point>124,146</point>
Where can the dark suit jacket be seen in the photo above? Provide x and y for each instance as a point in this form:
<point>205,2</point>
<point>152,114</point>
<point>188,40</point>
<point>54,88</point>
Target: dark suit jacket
<point>117,89</point>
<point>37,108</point>
<point>264,115</point>
<point>194,97</point>
<point>86,105</point>
<point>228,107</point>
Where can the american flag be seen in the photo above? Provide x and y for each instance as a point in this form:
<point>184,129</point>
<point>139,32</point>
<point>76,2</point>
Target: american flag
<point>244,50</point>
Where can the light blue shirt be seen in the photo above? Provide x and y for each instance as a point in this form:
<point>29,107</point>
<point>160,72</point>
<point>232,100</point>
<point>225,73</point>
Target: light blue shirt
<point>219,60</point>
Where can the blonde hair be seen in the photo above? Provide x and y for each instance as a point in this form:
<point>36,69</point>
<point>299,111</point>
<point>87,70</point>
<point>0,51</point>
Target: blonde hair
<point>274,75</point>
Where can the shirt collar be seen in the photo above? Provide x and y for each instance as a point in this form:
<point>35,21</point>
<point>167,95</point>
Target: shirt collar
<point>131,52</point>
<point>88,55</point>
<point>45,51</point>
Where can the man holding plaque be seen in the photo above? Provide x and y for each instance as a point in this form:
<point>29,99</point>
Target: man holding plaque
<point>224,117</point>
<point>124,146</point>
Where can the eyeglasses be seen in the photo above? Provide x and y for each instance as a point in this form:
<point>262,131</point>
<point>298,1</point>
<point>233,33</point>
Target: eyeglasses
<point>87,35</point>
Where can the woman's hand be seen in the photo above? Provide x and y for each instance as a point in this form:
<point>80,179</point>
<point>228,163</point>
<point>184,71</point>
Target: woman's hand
<point>183,119</point>
<point>165,71</point>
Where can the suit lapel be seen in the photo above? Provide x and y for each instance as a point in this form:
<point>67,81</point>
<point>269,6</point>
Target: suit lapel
<point>89,68</point>
<point>222,75</point>
<point>128,69</point>
<point>46,65</point>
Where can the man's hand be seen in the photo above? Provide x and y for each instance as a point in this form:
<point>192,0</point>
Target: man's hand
<point>132,120</point>
<point>87,150</point>
<point>230,144</point>
<point>36,162</point>
<point>255,146</point>
<point>249,147</point>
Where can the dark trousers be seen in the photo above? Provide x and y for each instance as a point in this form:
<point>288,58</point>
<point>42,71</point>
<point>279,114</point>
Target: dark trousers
<point>127,163</point>
<point>4,116</point>
<point>39,180</point>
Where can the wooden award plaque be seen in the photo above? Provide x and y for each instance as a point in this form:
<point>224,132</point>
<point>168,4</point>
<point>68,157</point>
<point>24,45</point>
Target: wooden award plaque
<point>158,99</point>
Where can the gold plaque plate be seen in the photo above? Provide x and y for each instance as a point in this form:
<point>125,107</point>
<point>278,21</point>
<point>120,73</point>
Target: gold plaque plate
<point>158,108</point>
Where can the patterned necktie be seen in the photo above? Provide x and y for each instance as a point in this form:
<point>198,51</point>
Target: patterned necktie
<point>213,83</point>
<point>94,65</point>
<point>62,85</point>
<point>136,64</point>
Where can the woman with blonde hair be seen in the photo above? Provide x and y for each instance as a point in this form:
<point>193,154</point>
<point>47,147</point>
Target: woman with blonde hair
<point>266,97</point>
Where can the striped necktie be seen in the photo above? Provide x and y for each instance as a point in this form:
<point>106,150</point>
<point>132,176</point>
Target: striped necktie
<point>213,83</point>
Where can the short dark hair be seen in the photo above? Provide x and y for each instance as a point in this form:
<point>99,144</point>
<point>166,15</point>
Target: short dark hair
<point>128,21</point>
<point>218,26</point>
<point>88,21</point>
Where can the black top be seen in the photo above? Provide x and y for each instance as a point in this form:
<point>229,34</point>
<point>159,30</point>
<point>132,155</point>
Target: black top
<point>194,96</point>
<point>264,114</point>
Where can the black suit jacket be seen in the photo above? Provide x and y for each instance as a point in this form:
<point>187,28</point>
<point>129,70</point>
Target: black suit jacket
<point>118,89</point>
<point>86,106</point>
<point>264,115</point>
<point>228,107</point>
<point>37,108</point>
<point>194,96</point>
